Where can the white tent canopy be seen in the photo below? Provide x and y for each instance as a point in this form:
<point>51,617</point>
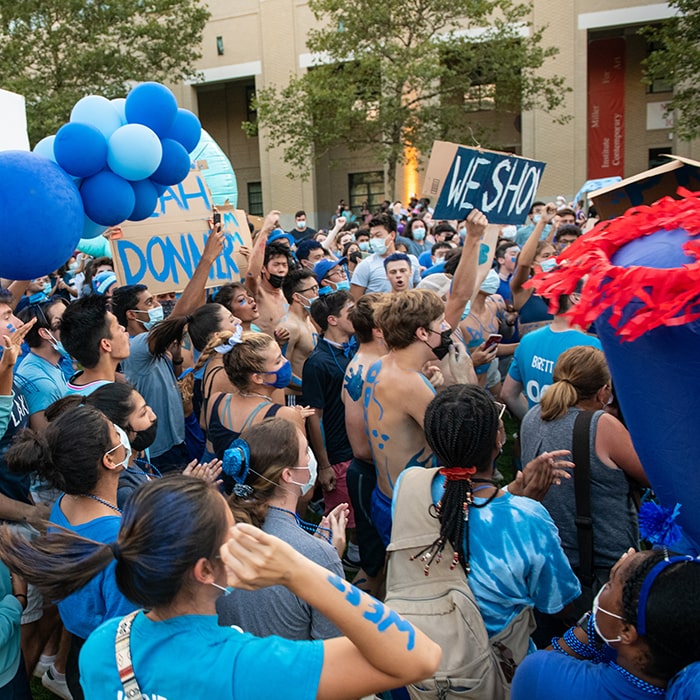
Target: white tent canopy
<point>13,122</point>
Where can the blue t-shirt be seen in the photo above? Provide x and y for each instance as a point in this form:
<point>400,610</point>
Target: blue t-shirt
<point>192,657</point>
<point>100,599</point>
<point>322,385</point>
<point>41,382</point>
<point>155,380</point>
<point>83,389</point>
<point>516,558</point>
<point>538,352</point>
<point>548,674</point>
<point>12,485</point>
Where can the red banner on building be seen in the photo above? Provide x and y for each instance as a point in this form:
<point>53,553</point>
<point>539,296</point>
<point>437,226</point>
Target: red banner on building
<point>606,108</point>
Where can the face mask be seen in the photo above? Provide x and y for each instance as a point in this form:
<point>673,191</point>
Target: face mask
<point>282,376</point>
<point>301,224</point>
<point>276,280</point>
<point>441,350</point>
<point>536,217</point>
<point>491,283</point>
<point>73,267</point>
<point>124,442</point>
<point>418,234</point>
<point>155,315</point>
<point>355,257</point>
<point>343,285</point>
<point>378,246</point>
<point>364,246</point>
<point>594,611</point>
<point>227,590</point>
<point>57,345</point>
<point>47,288</point>
<point>306,303</point>
<point>548,265</point>
<point>439,259</point>
<point>144,438</point>
<point>37,297</point>
<point>313,473</point>
<point>462,234</point>
<point>167,307</point>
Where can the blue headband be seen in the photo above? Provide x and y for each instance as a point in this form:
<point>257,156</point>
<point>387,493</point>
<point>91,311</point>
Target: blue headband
<point>649,582</point>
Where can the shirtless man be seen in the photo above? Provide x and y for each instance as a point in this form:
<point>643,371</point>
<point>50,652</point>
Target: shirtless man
<point>300,290</point>
<point>267,268</point>
<point>416,326</point>
<point>362,476</point>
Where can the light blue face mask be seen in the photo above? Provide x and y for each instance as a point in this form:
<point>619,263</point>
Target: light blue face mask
<point>378,246</point>
<point>364,246</point>
<point>155,315</point>
<point>343,285</point>
<point>57,345</point>
<point>226,589</point>
<point>418,234</point>
<point>548,265</point>
<point>47,288</point>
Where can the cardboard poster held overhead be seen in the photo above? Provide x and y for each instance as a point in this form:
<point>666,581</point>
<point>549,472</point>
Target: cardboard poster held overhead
<point>501,185</point>
<point>163,250</point>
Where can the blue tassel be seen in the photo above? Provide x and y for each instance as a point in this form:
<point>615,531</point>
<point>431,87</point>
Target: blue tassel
<point>657,525</point>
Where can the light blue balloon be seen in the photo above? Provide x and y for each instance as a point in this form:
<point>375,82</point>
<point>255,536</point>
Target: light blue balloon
<point>96,247</point>
<point>45,147</point>
<point>97,111</point>
<point>134,152</point>
<point>219,176</point>
<point>119,104</point>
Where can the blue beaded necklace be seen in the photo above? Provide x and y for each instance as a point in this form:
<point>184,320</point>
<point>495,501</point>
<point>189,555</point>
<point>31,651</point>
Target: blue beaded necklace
<point>308,527</point>
<point>638,682</point>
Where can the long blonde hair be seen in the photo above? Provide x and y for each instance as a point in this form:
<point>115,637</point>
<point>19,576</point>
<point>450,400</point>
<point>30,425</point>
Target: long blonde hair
<point>579,374</point>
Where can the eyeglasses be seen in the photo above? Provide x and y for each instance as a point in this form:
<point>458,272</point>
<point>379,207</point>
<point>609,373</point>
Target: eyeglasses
<point>501,408</point>
<point>313,289</point>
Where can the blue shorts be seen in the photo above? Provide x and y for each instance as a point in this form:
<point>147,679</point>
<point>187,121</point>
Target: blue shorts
<point>381,515</point>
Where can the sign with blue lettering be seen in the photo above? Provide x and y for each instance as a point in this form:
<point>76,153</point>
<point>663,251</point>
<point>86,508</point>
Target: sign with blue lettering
<point>501,185</point>
<point>162,251</point>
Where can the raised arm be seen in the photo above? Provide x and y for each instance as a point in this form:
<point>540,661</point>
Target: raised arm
<point>333,234</point>
<point>257,255</point>
<point>525,260</point>
<point>380,650</point>
<point>464,279</point>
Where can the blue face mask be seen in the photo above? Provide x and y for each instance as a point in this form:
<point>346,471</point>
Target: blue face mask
<point>47,288</point>
<point>343,285</point>
<point>418,234</point>
<point>37,297</point>
<point>155,315</point>
<point>364,246</point>
<point>57,345</point>
<point>548,265</point>
<point>282,376</point>
<point>378,246</point>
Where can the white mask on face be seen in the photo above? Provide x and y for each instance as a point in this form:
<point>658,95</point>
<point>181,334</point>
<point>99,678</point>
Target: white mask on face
<point>313,473</point>
<point>595,608</point>
<point>123,442</point>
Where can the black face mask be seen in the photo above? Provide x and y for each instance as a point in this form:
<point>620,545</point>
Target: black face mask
<point>356,257</point>
<point>276,280</point>
<point>440,351</point>
<point>144,438</point>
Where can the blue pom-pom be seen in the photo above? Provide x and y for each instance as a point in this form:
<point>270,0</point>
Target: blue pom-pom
<point>236,461</point>
<point>657,525</point>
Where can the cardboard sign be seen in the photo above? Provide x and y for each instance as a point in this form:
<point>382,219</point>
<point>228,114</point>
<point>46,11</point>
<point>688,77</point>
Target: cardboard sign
<point>162,251</point>
<point>647,187</point>
<point>501,185</point>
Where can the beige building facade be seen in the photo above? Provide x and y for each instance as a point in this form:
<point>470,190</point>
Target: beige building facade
<point>616,127</point>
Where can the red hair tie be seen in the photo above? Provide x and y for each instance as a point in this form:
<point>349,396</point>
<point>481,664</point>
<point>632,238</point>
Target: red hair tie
<point>458,473</point>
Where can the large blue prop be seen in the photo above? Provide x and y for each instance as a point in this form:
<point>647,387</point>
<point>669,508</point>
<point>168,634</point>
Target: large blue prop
<point>219,174</point>
<point>36,192</point>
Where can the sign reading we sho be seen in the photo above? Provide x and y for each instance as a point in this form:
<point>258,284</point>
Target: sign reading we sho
<point>162,251</point>
<point>501,185</point>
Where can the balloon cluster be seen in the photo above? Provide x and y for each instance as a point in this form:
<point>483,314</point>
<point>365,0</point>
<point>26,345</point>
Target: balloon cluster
<point>123,153</point>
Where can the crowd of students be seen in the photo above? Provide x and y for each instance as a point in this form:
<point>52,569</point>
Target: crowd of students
<point>212,465</point>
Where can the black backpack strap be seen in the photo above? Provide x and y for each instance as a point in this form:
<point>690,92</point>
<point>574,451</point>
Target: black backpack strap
<point>581,455</point>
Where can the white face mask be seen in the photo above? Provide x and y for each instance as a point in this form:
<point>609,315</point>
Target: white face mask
<point>491,283</point>
<point>123,442</point>
<point>595,608</point>
<point>313,472</point>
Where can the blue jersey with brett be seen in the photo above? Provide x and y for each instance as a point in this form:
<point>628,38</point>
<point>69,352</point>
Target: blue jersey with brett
<point>536,355</point>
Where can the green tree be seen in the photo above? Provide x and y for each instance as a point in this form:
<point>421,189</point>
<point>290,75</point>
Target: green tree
<point>56,51</point>
<point>396,73</point>
<point>675,59</point>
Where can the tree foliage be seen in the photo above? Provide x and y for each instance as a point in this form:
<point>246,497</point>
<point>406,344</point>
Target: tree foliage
<point>56,51</point>
<point>676,60</point>
<point>395,73</point>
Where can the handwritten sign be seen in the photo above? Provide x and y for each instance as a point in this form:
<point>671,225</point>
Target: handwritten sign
<point>162,251</point>
<point>501,185</point>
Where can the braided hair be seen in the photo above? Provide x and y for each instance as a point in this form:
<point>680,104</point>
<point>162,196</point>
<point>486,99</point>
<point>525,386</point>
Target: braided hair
<point>461,424</point>
<point>672,613</point>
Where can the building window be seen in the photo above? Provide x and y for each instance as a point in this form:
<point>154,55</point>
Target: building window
<point>255,199</point>
<point>366,187</point>
<point>480,98</point>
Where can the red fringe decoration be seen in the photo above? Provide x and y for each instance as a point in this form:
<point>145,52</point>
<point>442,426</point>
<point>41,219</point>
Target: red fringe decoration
<point>458,473</point>
<point>669,297</point>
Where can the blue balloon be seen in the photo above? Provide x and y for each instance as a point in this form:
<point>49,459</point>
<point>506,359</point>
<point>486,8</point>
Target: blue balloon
<point>119,104</point>
<point>91,229</point>
<point>108,199</point>
<point>80,149</point>
<point>152,105</point>
<point>35,186</point>
<point>174,165</point>
<point>134,152</point>
<point>96,111</point>
<point>219,176</point>
<point>160,189</point>
<point>186,129</point>
<point>45,147</point>
<point>146,200</point>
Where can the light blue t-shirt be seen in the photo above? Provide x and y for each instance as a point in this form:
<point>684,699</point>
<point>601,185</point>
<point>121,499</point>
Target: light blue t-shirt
<point>538,352</point>
<point>83,389</point>
<point>5,412</point>
<point>371,275</point>
<point>515,556</point>
<point>192,657</point>
<point>100,599</point>
<point>41,382</point>
<point>154,379</point>
<point>10,616</point>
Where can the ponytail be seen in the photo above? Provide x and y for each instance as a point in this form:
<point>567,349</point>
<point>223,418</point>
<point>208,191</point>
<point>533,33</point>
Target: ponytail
<point>557,400</point>
<point>166,333</point>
